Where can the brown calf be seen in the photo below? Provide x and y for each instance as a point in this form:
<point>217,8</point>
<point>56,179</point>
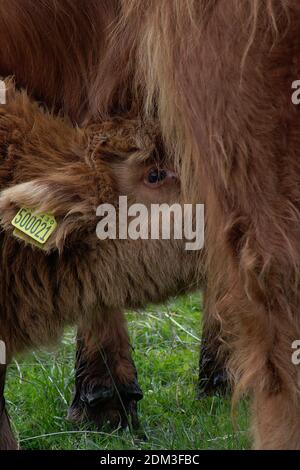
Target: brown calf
<point>78,279</point>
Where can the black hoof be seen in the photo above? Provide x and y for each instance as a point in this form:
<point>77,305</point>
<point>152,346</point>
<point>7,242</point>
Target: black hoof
<point>114,405</point>
<point>215,384</point>
<point>213,378</point>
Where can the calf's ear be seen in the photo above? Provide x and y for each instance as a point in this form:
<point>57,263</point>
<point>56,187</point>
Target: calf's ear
<point>70,196</point>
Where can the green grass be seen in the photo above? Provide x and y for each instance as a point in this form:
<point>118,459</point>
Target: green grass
<point>166,352</point>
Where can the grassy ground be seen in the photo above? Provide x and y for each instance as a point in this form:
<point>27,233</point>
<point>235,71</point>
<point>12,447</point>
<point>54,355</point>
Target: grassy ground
<point>166,353</point>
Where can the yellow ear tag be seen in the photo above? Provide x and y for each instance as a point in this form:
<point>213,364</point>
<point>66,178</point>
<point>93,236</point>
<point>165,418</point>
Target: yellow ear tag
<point>38,227</point>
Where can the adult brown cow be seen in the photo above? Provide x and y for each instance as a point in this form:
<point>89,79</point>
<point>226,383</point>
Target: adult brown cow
<point>218,74</point>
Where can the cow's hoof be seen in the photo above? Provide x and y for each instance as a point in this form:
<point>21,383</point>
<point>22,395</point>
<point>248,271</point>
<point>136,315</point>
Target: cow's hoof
<point>214,384</point>
<point>112,405</point>
<point>213,377</point>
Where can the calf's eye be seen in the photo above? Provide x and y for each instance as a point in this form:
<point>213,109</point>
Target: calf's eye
<point>156,175</point>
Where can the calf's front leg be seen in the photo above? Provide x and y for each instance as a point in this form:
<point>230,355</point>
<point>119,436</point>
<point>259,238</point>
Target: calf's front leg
<point>106,387</point>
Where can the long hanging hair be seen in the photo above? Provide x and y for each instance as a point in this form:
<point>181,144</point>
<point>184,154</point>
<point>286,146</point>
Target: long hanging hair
<point>216,74</point>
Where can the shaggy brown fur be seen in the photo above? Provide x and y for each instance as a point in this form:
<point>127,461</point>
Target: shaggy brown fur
<point>220,74</point>
<point>53,168</point>
<point>217,74</point>
<point>55,50</point>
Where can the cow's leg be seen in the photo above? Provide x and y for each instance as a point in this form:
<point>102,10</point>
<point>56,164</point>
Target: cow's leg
<point>213,377</point>
<point>106,387</point>
<point>266,356</point>
<point>7,439</point>
<point>261,363</point>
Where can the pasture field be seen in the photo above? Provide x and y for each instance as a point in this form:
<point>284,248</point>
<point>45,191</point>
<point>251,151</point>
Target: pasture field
<point>166,351</point>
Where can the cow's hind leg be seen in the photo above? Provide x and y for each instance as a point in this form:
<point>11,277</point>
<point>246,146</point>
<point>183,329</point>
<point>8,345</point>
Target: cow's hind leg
<point>264,326</point>
<point>106,387</point>
<point>7,439</point>
<point>213,377</point>
<point>265,352</point>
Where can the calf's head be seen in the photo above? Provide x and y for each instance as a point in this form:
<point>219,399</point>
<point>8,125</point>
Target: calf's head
<point>122,157</point>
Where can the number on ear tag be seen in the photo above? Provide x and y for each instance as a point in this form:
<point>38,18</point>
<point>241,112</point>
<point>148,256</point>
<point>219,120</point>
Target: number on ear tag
<point>39,227</point>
